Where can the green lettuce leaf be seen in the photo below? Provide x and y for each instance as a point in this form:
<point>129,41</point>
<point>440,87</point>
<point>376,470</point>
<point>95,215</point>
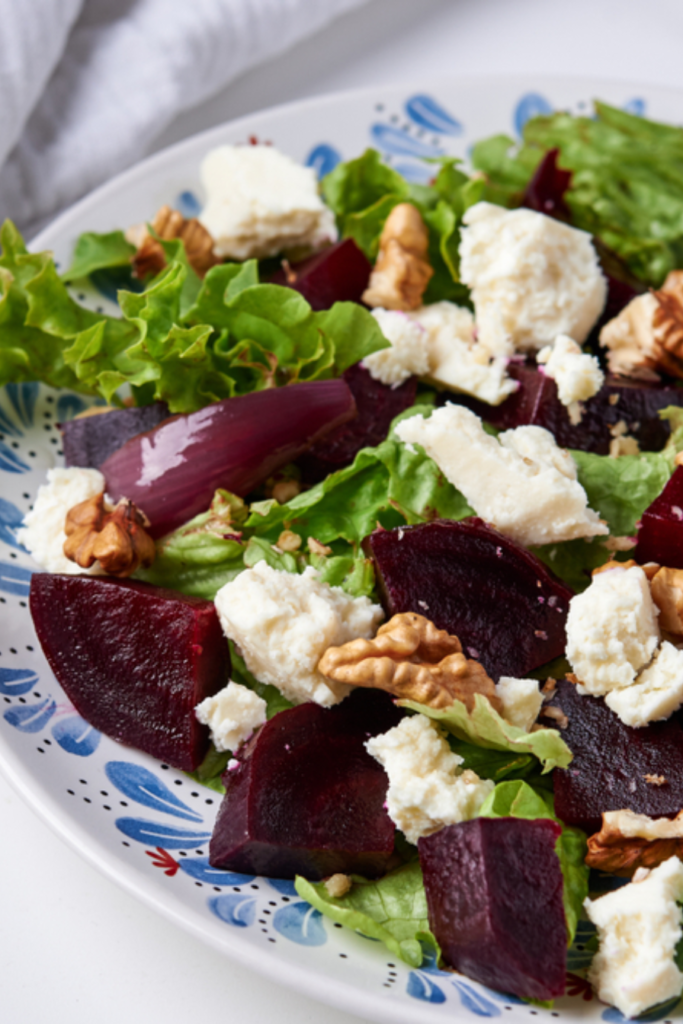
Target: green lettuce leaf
<point>95,251</point>
<point>484,727</point>
<point>393,910</point>
<point>519,800</point>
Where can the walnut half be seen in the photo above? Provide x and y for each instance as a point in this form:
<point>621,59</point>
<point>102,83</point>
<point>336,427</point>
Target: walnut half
<point>402,270</point>
<point>411,659</point>
<point>646,337</point>
<point>619,849</point>
<point>168,224</point>
<point>116,539</point>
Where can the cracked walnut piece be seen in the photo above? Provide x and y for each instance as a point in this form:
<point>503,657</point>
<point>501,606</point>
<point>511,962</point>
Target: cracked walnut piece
<point>646,337</point>
<point>411,659</point>
<point>116,539</point>
<point>168,224</point>
<point>402,270</point>
<point>628,841</point>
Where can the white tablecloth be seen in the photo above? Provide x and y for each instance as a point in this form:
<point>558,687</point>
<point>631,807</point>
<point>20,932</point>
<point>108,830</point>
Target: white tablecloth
<point>73,947</point>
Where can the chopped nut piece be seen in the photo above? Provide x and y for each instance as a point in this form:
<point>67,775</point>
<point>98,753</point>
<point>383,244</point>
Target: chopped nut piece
<point>667,593</point>
<point>316,548</point>
<point>116,539</point>
<point>285,490</point>
<point>169,224</point>
<point>338,885</point>
<point>629,843</point>
<point>655,780</point>
<point>619,543</point>
<point>402,270</point>
<point>548,688</point>
<point>411,659</point>
<point>557,716</point>
<point>289,541</point>
<point>647,335</point>
<point>622,443</point>
<point>650,568</point>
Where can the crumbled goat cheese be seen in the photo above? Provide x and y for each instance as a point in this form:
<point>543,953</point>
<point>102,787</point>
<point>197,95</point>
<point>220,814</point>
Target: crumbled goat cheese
<point>43,533</point>
<point>577,374</point>
<point>656,693</point>
<point>427,788</point>
<point>639,926</point>
<point>408,352</point>
<point>612,630</point>
<point>283,624</point>
<point>640,826</point>
<point>457,360</point>
<point>232,714</point>
<point>532,278</point>
<point>522,700</point>
<point>259,203</point>
<point>521,482</point>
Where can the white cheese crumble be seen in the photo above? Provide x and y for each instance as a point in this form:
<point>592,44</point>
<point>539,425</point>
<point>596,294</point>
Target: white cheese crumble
<point>232,715</point>
<point>521,482</point>
<point>259,202</point>
<point>457,360</point>
<point>43,531</point>
<point>408,352</point>
<point>577,374</point>
<point>283,623</point>
<point>612,630</point>
<point>639,926</point>
<point>521,699</point>
<point>427,788</point>
<point>532,278</point>
<point>640,826</point>
<point>656,693</point>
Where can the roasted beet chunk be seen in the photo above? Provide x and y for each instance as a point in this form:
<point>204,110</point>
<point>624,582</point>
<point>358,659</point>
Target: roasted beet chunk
<point>337,274</point>
<point>90,440</point>
<point>660,536</point>
<point>307,798</point>
<point>494,896</point>
<point>506,608</point>
<point>133,659</point>
<point>377,406</point>
<point>612,763</point>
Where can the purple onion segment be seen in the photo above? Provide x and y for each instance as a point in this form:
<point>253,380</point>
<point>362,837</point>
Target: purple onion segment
<point>171,472</point>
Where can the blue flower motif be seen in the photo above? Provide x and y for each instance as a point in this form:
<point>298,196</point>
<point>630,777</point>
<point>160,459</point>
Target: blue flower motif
<point>421,986</point>
<point>420,173</point>
<point>201,871</point>
<point>530,105</point>
<point>15,579</point>
<point>637,105</point>
<point>426,112</point>
<point>10,461</point>
<point>188,204</point>
<point>323,158</point>
<point>69,405</point>
<point>23,398</point>
<point>31,717</point>
<point>282,885</point>
<point>15,682</point>
<point>76,736</point>
<point>399,143</point>
<point>8,426</point>
<point>475,1001</point>
<point>10,520</point>
<point>234,908</point>
<point>151,833</point>
<point>300,923</point>
<point>143,786</point>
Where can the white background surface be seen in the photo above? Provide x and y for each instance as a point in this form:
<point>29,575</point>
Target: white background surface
<point>73,947</point>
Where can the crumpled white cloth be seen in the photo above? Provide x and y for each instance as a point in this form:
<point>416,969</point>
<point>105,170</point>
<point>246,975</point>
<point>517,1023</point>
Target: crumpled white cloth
<point>87,85</point>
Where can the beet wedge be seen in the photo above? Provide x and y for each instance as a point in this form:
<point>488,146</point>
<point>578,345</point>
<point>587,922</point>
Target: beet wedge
<point>494,898</point>
<point>172,472</point>
<point>660,534</point>
<point>503,604</point>
<point>133,659</point>
<point>306,797</point>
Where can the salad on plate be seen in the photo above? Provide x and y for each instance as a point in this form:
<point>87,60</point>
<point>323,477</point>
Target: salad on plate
<point>375,526</point>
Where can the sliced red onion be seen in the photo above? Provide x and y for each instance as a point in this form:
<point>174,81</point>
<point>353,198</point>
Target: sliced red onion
<point>171,472</point>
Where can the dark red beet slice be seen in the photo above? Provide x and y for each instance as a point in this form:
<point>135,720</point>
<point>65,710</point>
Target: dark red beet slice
<point>337,274</point>
<point>133,659</point>
<point>377,406</point>
<point>660,535</point>
<point>90,440</point>
<point>611,761</point>
<point>307,798</point>
<point>536,402</point>
<point>545,192</point>
<point>506,607</point>
<point>494,896</point>
<point>172,472</point>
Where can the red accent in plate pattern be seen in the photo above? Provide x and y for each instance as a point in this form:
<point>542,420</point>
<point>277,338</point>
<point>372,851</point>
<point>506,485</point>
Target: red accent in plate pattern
<point>162,859</point>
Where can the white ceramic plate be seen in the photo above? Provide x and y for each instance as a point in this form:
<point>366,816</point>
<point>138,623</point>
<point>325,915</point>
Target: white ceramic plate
<point>147,826</point>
